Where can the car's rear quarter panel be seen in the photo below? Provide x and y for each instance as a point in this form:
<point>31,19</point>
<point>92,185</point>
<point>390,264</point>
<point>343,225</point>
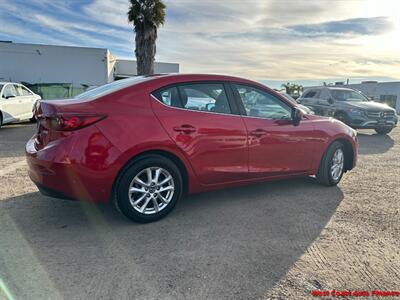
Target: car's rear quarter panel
<point>76,169</point>
<point>132,127</point>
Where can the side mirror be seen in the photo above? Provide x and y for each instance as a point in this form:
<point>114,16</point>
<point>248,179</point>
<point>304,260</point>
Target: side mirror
<point>297,115</point>
<point>330,100</point>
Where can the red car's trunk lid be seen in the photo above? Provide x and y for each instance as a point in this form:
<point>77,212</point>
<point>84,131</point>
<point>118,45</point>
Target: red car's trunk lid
<point>59,118</point>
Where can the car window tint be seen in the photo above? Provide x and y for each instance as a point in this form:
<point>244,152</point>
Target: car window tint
<point>312,94</point>
<point>347,95</point>
<point>258,103</point>
<point>18,88</point>
<point>169,96</point>
<point>25,92</point>
<point>111,87</point>
<point>209,97</point>
<point>9,91</point>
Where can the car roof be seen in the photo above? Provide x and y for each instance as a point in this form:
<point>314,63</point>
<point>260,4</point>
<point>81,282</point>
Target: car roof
<point>330,88</point>
<point>197,76</point>
<point>340,89</point>
<point>168,79</point>
<point>7,82</point>
<point>157,81</point>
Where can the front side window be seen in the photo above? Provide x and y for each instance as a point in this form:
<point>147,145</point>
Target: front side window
<point>25,91</point>
<point>18,88</point>
<point>9,91</point>
<point>258,103</point>
<point>208,97</point>
<point>348,95</point>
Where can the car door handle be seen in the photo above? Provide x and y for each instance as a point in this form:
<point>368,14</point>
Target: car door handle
<point>258,132</point>
<point>185,128</point>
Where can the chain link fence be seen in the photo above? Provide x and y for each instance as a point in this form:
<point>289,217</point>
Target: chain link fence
<point>50,91</point>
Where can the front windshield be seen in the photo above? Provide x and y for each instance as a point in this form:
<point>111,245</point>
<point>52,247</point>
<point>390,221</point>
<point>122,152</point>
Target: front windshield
<point>348,95</point>
<point>110,87</point>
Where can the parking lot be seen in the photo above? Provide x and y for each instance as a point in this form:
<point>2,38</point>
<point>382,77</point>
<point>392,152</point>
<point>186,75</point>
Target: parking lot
<point>274,240</point>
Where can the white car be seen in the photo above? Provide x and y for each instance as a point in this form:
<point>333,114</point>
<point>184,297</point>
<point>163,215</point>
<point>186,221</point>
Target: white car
<point>16,102</point>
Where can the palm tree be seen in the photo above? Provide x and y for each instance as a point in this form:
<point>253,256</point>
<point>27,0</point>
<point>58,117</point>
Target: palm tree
<point>297,88</point>
<point>292,88</point>
<point>146,16</point>
<point>287,86</point>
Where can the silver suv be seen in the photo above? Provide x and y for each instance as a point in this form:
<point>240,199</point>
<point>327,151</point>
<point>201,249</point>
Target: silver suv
<point>351,107</point>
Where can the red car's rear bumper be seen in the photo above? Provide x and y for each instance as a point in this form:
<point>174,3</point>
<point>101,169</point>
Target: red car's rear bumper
<point>65,169</point>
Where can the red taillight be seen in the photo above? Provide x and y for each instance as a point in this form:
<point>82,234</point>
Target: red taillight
<point>70,122</point>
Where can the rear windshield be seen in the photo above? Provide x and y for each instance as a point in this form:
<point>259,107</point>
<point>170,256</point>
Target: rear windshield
<point>111,87</point>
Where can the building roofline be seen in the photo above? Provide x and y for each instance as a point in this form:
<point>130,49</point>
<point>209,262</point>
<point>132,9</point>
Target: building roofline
<point>379,82</point>
<point>159,62</point>
<point>52,45</point>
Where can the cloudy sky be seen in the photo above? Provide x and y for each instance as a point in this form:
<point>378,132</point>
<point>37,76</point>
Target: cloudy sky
<point>268,40</point>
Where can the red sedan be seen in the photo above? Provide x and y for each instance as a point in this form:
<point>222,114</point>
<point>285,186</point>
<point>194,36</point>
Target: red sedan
<point>144,142</point>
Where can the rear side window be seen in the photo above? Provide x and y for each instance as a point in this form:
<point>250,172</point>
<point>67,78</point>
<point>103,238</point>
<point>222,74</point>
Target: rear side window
<point>9,91</point>
<point>169,96</point>
<point>205,97</point>
<point>312,94</point>
<point>209,97</point>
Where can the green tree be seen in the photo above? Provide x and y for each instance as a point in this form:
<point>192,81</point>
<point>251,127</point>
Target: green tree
<point>146,16</point>
<point>287,86</point>
<point>292,88</point>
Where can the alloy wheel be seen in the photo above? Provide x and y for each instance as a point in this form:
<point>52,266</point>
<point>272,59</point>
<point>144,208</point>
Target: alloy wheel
<point>151,190</point>
<point>337,164</point>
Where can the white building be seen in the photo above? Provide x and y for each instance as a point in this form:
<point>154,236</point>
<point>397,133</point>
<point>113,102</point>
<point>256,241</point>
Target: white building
<point>79,66</point>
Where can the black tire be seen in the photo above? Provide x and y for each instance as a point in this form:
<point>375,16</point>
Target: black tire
<point>324,175</point>
<point>33,119</point>
<point>342,117</point>
<point>122,195</point>
<point>383,130</point>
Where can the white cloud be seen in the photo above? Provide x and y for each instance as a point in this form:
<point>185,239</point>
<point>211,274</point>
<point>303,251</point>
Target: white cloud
<point>276,39</point>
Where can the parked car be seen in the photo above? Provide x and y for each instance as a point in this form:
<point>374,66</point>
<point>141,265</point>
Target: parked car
<point>351,107</point>
<point>16,102</point>
<point>304,108</point>
<point>142,143</point>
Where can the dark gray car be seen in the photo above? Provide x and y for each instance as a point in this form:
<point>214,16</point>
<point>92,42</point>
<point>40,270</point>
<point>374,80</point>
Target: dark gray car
<point>351,107</point>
